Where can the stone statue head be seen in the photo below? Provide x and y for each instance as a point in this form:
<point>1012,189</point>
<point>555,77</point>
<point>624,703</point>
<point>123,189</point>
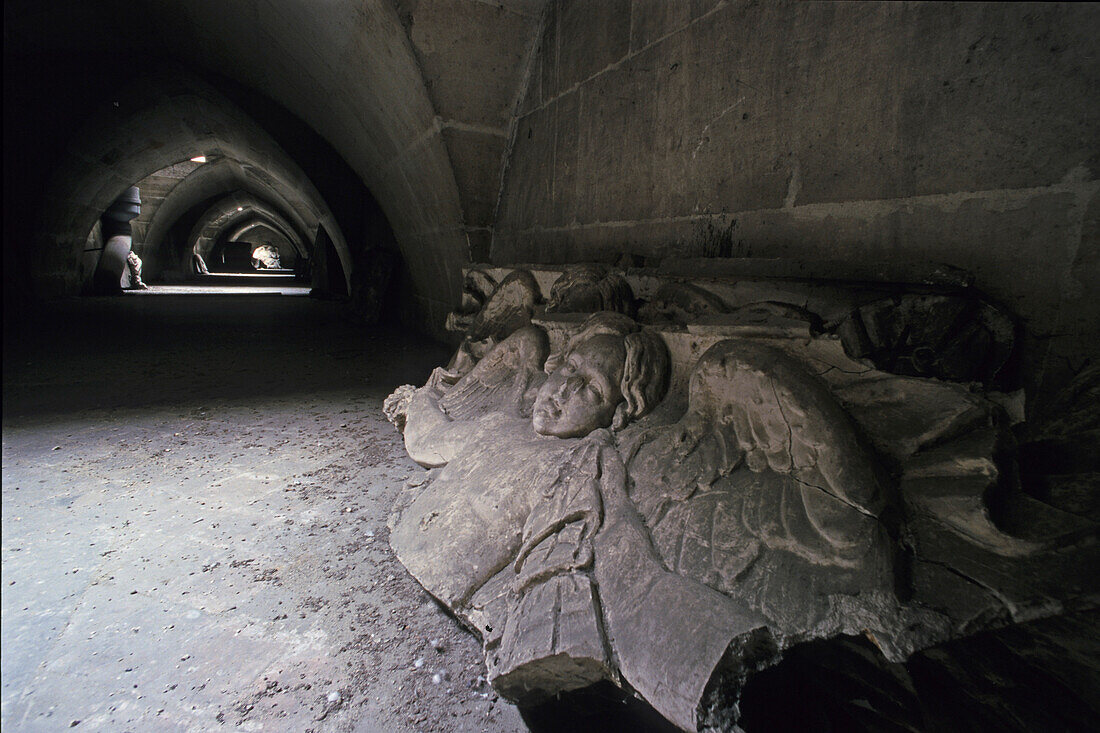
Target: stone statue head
<point>609,373</point>
<point>591,288</point>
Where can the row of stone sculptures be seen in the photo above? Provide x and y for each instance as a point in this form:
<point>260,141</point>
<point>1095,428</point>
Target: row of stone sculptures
<point>669,505</point>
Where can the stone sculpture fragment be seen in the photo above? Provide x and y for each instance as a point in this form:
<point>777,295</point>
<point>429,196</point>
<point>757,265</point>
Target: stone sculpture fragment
<point>672,506</point>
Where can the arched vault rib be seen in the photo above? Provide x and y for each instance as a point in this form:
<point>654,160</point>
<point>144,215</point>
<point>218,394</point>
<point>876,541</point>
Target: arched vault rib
<point>240,230</point>
<point>219,178</point>
<point>423,121</point>
<point>231,211</point>
<point>166,118</point>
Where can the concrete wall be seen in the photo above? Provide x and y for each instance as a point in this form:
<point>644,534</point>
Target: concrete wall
<point>967,134</point>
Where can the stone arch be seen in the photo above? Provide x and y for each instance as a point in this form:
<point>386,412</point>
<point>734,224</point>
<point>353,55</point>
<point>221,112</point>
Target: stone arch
<point>167,117</point>
<point>209,181</point>
<point>351,74</point>
<point>258,232</point>
<point>232,211</point>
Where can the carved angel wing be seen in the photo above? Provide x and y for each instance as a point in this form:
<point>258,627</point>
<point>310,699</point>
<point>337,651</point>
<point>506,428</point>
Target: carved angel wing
<point>763,472</point>
<point>501,380</point>
<point>508,307</point>
<point>785,420</point>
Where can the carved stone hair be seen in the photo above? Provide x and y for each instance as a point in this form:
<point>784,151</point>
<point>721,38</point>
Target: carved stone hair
<point>645,369</point>
<point>587,288</point>
<point>645,376</point>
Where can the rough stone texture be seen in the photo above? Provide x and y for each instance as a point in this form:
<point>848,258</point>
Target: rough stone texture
<point>154,189</point>
<point>863,132</point>
<point>588,527</point>
<point>416,97</point>
<point>964,134</point>
<point>472,56</point>
<point>230,212</point>
<point>266,257</point>
<point>149,586</point>
<point>474,155</point>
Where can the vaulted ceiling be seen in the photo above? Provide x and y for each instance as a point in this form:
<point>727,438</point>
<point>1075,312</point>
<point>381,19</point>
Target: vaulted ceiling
<point>417,97</point>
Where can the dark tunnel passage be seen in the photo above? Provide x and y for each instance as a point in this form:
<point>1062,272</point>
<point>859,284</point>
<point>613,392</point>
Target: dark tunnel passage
<point>244,241</point>
<point>232,416</point>
<point>209,187</point>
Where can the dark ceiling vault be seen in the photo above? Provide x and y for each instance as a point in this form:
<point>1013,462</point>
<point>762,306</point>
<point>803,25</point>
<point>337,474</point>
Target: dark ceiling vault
<point>677,139</point>
<point>420,118</point>
<point>547,131</point>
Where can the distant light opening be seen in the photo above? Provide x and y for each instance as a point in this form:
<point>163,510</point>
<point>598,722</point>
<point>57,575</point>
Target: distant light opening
<point>199,159</point>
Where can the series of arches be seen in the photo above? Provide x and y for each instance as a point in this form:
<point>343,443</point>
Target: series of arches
<point>169,118</point>
<point>230,213</point>
<point>171,72</point>
<point>227,183</point>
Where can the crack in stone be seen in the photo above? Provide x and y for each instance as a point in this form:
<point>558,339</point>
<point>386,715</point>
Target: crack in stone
<point>1009,607</point>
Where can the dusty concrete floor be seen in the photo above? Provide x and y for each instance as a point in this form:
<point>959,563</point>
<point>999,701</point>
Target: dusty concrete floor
<point>195,497</point>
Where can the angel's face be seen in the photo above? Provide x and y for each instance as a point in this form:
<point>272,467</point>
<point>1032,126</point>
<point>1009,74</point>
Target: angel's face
<point>581,395</point>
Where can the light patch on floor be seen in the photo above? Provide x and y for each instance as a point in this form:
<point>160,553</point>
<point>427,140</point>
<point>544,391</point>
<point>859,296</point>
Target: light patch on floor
<point>195,497</point>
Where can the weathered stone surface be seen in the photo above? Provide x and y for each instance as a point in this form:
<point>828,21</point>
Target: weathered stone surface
<point>471,54</point>
<point>508,307</point>
<point>869,132</point>
<point>489,313</point>
<point>591,288</point>
<point>816,126</point>
<point>682,303</point>
<point>671,508</point>
<point>266,257</point>
<point>132,277</point>
<point>947,337</point>
<point>476,158</point>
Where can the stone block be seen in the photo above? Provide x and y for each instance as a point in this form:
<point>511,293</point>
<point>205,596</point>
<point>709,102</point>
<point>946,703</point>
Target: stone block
<point>421,184</point>
<point>532,92</point>
<point>528,179</point>
<point>590,37</point>
<point>476,159</point>
<point>651,20</point>
<point>612,157</point>
<point>547,54</point>
<point>472,56</point>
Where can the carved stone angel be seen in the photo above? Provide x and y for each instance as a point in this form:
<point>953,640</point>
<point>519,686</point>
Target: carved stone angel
<point>656,556</point>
